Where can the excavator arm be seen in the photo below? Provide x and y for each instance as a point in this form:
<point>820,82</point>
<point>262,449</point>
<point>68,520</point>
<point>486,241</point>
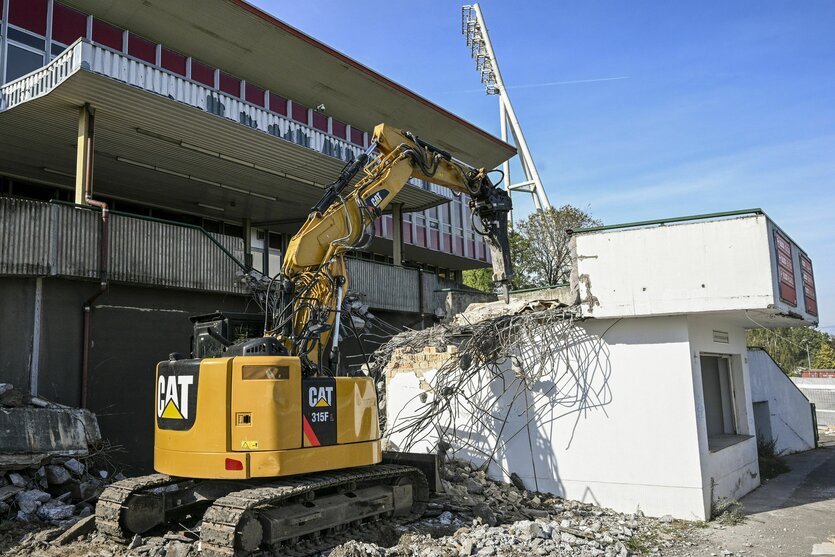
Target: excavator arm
<point>314,275</point>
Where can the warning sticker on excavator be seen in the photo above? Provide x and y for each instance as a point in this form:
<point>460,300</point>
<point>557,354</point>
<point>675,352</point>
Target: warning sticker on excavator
<point>318,411</point>
<point>249,445</point>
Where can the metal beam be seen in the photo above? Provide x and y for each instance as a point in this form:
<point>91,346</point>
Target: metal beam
<point>397,233</point>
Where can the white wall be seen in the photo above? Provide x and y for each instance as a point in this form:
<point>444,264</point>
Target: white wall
<point>693,267</point>
<point>732,471</point>
<point>790,415</point>
<point>639,449</point>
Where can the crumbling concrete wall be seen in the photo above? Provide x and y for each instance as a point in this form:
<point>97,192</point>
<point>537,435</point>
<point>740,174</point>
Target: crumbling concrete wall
<point>618,429</point>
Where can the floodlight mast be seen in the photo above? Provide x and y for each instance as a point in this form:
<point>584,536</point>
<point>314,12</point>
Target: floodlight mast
<point>481,50</point>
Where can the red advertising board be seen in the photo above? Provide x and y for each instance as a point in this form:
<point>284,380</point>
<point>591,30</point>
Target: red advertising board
<point>785,268</point>
<point>810,299</point>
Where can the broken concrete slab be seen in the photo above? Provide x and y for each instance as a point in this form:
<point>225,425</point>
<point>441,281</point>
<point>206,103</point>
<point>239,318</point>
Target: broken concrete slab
<point>80,528</point>
<point>31,435</point>
<point>827,548</point>
<point>7,492</point>
<point>29,501</point>
<point>57,475</point>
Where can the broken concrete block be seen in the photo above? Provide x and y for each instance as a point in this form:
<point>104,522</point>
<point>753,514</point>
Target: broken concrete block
<point>75,467</point>
<point>135,542</point>
<point>5,387</point>
<point>177,549</point>
<point>31,435</point>
<point>57,475</point>
<point>17,480</point>
<point>29,501</point>
<point>86,491</point>
<point>8,491</point>
<point>80,528</point>
<point>55,510</point>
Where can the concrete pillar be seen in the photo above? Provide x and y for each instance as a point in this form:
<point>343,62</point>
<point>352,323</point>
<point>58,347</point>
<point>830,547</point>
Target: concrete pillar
<point>85,147</point>
<point>247,242</point>
<point>397,233</point>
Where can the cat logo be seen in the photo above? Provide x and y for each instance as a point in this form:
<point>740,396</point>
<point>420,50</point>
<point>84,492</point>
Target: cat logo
<point>320,397</point>
<point>172,396</point>
<point>376,199</point>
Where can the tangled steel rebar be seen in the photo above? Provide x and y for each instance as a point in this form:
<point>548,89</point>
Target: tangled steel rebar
<point>529,368</point>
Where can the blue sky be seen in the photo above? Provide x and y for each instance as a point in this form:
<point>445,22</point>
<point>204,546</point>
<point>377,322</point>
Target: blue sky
<point>635,110</point>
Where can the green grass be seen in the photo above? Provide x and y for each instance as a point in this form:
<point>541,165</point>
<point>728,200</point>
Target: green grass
<point>729,512</point>
<point>771,465</point>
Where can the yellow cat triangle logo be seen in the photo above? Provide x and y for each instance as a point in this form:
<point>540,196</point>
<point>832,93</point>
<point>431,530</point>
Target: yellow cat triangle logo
<point>322,402</point>
<point>171,411</point>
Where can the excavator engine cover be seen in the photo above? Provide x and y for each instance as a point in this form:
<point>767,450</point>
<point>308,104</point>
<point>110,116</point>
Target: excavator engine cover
<point>256,417</point>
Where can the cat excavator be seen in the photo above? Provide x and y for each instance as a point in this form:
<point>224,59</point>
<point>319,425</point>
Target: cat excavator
<point>272,445</point>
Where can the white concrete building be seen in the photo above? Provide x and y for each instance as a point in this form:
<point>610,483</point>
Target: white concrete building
<point>671,426</point>
<point>782,412</point>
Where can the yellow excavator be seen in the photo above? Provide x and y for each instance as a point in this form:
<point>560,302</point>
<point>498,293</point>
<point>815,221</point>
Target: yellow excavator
<point>271,444</point>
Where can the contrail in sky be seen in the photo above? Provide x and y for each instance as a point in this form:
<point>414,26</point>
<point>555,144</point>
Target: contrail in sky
<point>550,84</point>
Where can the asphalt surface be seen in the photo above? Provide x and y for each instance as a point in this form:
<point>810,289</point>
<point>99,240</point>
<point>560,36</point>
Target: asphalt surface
<point>793,515</point>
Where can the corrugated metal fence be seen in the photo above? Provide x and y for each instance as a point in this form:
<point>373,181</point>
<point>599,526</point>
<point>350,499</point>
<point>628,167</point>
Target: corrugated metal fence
<point>54,239</point>
<point>51,239</point>
<point>392,288</point>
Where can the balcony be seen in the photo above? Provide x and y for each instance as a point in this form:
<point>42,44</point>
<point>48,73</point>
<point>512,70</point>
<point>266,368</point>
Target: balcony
<point>161,137</point>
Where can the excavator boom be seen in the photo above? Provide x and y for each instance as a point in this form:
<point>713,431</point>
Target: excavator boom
<point>314,268</point>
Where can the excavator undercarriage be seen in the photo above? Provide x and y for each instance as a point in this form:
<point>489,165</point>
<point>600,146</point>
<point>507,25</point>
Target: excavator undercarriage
<point>293,516</point>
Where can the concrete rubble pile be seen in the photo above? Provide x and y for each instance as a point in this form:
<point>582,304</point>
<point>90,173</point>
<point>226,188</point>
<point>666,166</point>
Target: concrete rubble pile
<point>486,518</point>
<point>46,470</point>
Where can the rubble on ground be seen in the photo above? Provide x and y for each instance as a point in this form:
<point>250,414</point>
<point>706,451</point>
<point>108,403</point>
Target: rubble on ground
<point>33,430</point>
<point>484,518</point>
<point>476,517</point>
<point>48,475</point>
<point>58,493</point>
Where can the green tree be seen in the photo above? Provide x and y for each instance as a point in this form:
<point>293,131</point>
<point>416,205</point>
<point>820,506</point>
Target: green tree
<point>539,249</point>
<point>824,357</point>
<point>793,348</point>
<point>547,258</point>
<point>482,279</point>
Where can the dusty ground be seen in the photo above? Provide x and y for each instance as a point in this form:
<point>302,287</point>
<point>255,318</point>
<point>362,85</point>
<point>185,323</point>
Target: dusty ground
<point>793,515</point>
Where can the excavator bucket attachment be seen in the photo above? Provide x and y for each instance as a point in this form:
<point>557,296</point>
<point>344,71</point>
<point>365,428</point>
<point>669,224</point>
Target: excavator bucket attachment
<point>492,206</point>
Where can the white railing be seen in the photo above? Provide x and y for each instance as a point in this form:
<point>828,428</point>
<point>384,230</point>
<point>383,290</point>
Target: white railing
<point>43,80</point>
<point>118,66</point>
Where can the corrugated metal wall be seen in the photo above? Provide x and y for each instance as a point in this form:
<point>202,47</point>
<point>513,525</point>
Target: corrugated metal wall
<point>393,288</point>
<point>161,254</point>
<point>24,237</point>
<point>38,238</point>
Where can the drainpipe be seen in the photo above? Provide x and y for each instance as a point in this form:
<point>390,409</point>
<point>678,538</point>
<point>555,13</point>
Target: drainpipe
<point>104,251</point>
<point>420,297</point>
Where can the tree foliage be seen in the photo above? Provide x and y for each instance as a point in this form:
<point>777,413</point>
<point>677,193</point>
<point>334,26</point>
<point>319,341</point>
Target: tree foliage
<point>546,259</point>
<point>482,279</point>
<point>539,249</point>
<point>789,346</point>
<point>824,357</point>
